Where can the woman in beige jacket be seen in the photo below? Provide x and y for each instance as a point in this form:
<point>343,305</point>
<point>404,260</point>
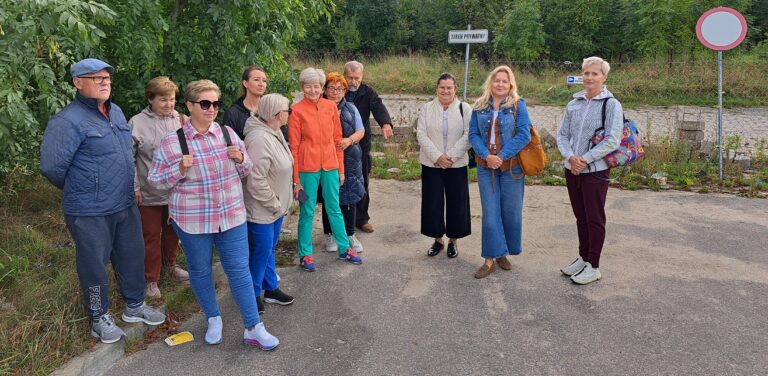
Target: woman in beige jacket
<point>268,193</point>
<point>442,131</point>
<point>161,244</point>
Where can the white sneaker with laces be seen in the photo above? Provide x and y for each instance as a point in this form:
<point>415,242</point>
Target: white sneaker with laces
<point>330,244</point>
<point>258,336</point>
<point>587,275</point>
<point>574,267</point>
<point>355,244</point>
<point>213,334</point>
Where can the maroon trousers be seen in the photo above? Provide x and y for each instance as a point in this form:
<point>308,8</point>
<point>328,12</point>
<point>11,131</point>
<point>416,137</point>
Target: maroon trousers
<point>161,245</point>
<point>587,192</point>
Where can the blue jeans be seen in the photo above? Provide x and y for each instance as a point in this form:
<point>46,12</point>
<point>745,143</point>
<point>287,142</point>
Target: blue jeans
<point>501,196</point>
<point>232,246</point>
<point>262,239</point>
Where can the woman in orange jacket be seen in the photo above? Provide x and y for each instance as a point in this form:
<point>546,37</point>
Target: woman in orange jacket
<point>314,133</point>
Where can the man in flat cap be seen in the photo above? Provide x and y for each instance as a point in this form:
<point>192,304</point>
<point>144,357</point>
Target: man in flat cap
<point>86,152</point>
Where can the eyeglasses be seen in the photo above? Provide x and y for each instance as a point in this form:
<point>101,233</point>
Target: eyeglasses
<point>335,89</point>
<point>98,79</point>
<point>206,104</point>
<point>288,111</point>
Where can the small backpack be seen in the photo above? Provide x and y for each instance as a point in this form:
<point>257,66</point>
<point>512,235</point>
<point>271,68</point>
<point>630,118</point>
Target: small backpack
<point>630,148</point>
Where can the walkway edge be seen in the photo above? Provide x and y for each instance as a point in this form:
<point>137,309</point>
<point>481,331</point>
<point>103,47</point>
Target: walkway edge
<point>103,356</point>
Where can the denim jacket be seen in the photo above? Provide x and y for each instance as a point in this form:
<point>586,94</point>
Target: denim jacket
<point>480,125</point>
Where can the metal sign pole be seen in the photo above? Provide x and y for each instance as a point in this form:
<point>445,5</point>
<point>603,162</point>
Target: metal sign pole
<point>720,110</point>
<point>466,67</point>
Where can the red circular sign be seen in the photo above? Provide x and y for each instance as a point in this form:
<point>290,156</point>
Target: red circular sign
<point>721,29</point>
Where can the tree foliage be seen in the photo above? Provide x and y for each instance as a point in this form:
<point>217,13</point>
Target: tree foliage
<point>520,34</point>
<point>183,39</point>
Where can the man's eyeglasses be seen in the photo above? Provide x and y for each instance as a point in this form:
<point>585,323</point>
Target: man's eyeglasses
<point>288,111</point>
<point>98,79</point>
<point>206,104</point>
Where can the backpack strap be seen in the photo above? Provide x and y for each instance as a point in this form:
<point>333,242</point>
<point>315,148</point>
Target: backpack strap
<point>225,133</point>
<point>182,141</point>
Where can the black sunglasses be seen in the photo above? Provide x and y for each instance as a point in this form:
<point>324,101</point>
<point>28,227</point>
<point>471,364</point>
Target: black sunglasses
<point>206,104</point>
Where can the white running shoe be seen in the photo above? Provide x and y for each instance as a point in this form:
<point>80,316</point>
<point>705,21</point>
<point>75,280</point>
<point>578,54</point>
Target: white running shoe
<point>258,336</point>
<point>574,267</point>
<point>330,244</point>
<point>355,244</point>
<point>587,275</point>
<point>213,334</point>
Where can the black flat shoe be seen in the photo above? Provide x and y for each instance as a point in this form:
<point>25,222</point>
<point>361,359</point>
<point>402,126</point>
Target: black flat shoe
<point>452,251</point>
<point>435,249</point>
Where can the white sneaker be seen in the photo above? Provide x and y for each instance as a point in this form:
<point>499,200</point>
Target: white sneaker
<point>574,267</point>
<point>213,334</point>
<point>587,275</point>
<point>258,336</point>
<point>330,244</point>
<point>355,244</point>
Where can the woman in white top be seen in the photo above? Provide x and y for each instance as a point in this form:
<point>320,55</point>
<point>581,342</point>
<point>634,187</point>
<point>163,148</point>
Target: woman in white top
<point>442,131</point>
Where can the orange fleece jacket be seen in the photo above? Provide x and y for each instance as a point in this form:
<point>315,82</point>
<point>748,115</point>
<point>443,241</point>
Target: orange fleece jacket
<point>314,130</point>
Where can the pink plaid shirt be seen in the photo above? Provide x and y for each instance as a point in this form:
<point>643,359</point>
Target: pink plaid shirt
<point>208,198</point>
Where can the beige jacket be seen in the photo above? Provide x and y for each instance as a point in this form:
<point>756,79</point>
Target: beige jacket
<point>147,129</point>
<point>268,189</point>
<point>429,133</point>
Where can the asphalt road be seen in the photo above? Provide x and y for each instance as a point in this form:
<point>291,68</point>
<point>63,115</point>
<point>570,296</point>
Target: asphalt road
<point>683,292</point>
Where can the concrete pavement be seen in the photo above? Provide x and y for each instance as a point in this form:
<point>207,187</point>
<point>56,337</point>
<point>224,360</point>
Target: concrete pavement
<point>683,292</point>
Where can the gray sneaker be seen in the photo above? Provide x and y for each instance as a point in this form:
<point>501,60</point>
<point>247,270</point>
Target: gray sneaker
<point>143,313</point>
<point>105,329</point>
<point>330,244</point>
<point>574,267</point>
<point>587,275</point>
<point>355,244</point>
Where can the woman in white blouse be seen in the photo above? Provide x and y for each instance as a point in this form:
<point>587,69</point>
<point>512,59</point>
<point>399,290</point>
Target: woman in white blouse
<point>442,131</point>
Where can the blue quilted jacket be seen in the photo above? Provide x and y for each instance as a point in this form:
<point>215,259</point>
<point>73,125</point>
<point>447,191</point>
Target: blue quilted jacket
<point>353,189</point>
<point>89,156</point>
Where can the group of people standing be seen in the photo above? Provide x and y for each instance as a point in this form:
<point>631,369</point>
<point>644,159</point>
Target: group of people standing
<point>497,128</point>
<point>194,181</point>
<point>134,189</point>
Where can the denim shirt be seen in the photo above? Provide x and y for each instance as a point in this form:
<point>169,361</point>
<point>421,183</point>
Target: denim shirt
<point>480,125</point>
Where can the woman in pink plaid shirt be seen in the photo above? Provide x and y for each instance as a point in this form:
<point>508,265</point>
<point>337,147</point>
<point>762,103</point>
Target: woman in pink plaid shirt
<point>206,208</point>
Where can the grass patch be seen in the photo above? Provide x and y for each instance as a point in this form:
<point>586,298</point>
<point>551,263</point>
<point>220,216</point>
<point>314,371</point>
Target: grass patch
<point>43,322</point>
<point>395,161</point>
<point>637,84</point>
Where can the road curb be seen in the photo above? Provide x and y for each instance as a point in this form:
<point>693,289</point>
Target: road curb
<point>103,356</point>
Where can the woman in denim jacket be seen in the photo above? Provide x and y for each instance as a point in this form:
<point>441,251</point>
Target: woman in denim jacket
<point>498,130</point>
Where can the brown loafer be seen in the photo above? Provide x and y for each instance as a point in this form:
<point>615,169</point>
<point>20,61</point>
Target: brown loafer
<point>366,228</point>
<point>484,271</point>
<point>504,263</point>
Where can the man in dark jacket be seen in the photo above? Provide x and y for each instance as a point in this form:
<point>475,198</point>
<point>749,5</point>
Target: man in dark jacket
<point>367,101</point>
<point>86,152</point>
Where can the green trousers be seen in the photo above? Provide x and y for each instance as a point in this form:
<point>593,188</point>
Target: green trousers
<point>310,182</point>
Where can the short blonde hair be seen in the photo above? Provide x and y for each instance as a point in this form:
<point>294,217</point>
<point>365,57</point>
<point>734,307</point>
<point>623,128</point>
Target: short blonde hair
<point>312,76</point>
<point>270,105</point>
<point>512,97</point>
<point>195,88</point>
<point>161,85</point>
<point>604,66</point>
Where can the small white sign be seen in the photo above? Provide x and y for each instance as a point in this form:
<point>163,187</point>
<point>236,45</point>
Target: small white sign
<point>468,36</point>
<point>573,80</point>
